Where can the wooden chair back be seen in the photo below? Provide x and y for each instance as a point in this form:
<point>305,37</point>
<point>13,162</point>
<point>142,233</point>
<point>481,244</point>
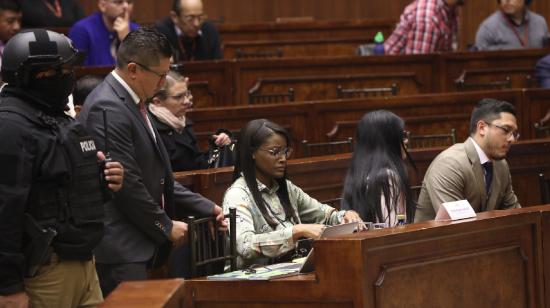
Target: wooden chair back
<point>327,148</point>
<point>258,54</point>
<point>430,141</point>
<point>270,98</point>
<point>544,189</point>
<point>366,92</point>
<point>208,247</point>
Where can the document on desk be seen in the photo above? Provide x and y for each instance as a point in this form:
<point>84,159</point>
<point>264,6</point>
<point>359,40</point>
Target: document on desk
<point>267,272</point>
<point>304,265</point>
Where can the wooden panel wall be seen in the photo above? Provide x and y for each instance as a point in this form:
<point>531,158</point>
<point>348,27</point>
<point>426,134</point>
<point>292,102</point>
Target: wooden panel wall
<point>245,11</point>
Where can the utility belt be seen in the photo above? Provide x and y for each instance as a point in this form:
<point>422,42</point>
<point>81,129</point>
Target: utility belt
<point>38,251</point>
<point>45,245</point>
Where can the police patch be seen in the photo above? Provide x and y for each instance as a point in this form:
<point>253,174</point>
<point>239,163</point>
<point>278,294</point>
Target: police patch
<point>87,145</point>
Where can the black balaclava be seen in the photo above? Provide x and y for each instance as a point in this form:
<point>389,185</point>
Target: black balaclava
<point>54,91</point>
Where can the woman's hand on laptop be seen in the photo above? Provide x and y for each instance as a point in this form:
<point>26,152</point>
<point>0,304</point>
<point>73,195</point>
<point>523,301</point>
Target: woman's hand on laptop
<point>313,231</point>
<point>352,216</point>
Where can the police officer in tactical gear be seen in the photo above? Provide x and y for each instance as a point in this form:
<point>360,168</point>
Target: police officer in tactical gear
<point>52,188</point>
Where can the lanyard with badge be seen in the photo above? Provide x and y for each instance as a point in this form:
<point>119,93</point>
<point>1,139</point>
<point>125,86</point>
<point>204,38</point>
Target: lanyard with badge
<point>524,41</point>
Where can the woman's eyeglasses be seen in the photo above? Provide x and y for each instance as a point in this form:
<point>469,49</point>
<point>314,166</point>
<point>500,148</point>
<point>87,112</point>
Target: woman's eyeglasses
<point>184,95</point>
<point>279,152</point>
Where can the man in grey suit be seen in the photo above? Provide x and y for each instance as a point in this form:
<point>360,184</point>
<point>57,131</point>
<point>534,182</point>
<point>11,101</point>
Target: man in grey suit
<point>140,223</point>
<point>476,169</point>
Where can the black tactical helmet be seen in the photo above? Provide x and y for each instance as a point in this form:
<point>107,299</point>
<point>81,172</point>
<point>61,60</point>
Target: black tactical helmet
<point>34,50</point>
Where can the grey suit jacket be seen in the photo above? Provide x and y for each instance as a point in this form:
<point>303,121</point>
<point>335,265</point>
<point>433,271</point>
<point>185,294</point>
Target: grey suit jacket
<point>135,223</point>
<point>456,174</point>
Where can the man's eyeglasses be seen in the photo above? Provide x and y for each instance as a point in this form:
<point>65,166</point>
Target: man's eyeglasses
<point>507,130</point>
<point>190,18</point>
<point>279,153</point>
<point>146,68</point>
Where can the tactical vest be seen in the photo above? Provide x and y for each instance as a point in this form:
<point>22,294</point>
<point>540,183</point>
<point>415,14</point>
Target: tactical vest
<point>74,208</point>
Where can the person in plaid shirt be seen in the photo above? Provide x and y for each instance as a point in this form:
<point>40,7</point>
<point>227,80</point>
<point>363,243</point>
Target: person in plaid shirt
<point>426,26</point>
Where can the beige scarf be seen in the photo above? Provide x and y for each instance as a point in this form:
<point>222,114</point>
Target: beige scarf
<point>167,117</point>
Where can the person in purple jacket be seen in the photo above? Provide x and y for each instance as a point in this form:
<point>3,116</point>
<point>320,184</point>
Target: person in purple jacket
<point>100,34</point>
<point>542,70</point>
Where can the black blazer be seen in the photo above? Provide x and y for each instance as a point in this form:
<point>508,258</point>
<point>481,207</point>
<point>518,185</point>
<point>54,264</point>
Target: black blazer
<point>135,223</point>
<point>37,15</point>
<point>181,147</point>
<point>202,47</point>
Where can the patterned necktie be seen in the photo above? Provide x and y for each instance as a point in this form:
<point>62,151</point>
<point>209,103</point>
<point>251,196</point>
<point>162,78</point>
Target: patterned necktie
<point>488,167</point>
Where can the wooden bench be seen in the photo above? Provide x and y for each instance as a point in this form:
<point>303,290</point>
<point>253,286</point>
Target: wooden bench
<point>322,177</point>
<point>311,47</point>
<point>321,121</point>
<point>491,66</point>
<point>229,82</point>
<point>305,30</point>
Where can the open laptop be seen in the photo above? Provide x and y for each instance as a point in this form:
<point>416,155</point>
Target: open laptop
<point>308,265</point>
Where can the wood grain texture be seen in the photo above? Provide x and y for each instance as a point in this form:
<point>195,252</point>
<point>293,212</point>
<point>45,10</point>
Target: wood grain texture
<point>147,294</point>
<point>255,11</point>
<point>323,176</point>
<point>493,260</point>
<point>229,82</point>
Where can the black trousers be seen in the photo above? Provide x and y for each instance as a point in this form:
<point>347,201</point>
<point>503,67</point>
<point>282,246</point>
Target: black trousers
<point>110,275</point>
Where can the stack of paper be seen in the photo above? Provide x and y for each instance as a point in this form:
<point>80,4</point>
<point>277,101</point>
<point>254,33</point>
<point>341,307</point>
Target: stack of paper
<point>261,273</point>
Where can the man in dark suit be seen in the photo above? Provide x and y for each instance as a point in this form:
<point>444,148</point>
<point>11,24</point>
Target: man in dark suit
<point>191,35</point>
<point>140,220</point>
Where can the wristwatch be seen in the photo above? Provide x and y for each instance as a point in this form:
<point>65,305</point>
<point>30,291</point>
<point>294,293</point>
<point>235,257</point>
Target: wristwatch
<point>341,216</point>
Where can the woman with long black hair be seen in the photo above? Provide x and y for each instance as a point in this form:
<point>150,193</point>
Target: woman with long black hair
<point>272,213</point>
<point>377,185</point>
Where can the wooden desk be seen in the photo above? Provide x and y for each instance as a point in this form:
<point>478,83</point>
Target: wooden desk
<point>494,260</point>
<point>498,259</point>
<point>147,294</point>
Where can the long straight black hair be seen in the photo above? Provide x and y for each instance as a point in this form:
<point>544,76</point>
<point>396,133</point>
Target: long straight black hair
<point>377,166</point>
<point>252,136</point>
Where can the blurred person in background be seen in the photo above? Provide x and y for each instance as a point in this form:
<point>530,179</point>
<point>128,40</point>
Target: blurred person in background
<point>99,35</point>
<point>50,13</point>
<point>192,36</point>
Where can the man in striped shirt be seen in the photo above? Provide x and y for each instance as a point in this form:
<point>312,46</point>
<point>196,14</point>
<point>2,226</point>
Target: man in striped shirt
<point>426,26</point>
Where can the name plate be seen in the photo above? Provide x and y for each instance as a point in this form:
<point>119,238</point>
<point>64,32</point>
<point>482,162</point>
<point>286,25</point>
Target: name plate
<point>455,210</point>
